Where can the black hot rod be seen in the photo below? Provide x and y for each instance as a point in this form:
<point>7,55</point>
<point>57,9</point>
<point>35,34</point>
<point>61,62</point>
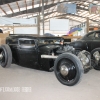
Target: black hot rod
<point>46,53</point>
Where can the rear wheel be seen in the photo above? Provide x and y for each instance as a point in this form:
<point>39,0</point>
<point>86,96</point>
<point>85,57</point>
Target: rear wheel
<point>68,69</point>
<point>96,58</point>
<point>5,56</point>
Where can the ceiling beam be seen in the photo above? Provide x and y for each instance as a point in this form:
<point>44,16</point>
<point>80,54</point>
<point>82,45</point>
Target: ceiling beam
<point>3,10</point>
<point>18,6</point>
<point>26,8</point>
<point>10,8</point>
<point>38,9</point>
<point>26,5</point>
<point>2,2</point>
<point>46,4</point>
<point>32,3</point>
<point>33,10</point>
<point>66,15</point>
<point>70,19</point>
<point>53,8</point>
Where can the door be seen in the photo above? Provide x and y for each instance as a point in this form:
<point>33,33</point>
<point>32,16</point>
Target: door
<point>93,40</point>
<point>26,53</point>
<point>96,40</point>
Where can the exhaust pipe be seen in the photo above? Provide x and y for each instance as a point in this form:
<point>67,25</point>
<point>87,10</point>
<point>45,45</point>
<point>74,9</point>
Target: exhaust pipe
<point>49,56</point>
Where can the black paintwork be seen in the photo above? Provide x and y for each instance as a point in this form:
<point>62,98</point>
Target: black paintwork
<point>27,50</point>
<point>89,42</point>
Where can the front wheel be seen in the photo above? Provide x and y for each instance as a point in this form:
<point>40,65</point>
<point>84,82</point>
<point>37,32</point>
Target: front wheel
<point>5,56</point>
<point>68,69</point>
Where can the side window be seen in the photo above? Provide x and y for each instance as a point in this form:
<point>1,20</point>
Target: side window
<point>97,35</point>
<point>92,35</point>
<point>27,42</point>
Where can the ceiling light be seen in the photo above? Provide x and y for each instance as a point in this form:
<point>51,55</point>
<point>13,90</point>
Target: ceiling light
<point>86,7</point>
<point>79,12</point>
<point>95,2</point>
<point>86,3</point>
<point>90,0</point>
<point>82,6</point>
<point>83,13</point>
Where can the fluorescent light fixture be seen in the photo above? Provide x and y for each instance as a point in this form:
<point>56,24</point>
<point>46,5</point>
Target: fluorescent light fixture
<point>29,7</point>
<point>36,5</point>
<point>83,13</point>
<point>90,0</point>
<point>9,12</point>
<point>95,2</point>
<point>16,10</point>
<point>24,8</point>
<point>86,3</point>
<point>86,7</point>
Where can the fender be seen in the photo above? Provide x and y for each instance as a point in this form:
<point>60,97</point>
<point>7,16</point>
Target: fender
<point>79,45</point>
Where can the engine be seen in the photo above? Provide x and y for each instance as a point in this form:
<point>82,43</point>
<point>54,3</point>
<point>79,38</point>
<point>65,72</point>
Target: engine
<point>84,56</point>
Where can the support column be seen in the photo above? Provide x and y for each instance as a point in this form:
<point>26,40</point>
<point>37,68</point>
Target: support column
<point>38,24</point>
<point>87,21</point>
<point>43,15</point>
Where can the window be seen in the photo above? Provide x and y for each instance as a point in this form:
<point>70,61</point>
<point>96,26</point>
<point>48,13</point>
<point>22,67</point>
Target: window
<point>91,35</point>
<point>27,42</point>
<point>50,41</point>
<point>97,35</point>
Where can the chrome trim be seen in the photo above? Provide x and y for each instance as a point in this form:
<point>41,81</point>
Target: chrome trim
<point>64,70</point>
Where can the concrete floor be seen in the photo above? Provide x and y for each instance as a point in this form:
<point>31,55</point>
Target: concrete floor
<point>45,86</point>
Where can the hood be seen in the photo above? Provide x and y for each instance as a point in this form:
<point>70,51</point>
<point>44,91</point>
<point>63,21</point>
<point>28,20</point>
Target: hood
<point>49,47</point>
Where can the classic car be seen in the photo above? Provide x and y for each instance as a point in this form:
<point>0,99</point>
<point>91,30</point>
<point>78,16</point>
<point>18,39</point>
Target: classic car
<point>45,53</point>
<point>90,42</point>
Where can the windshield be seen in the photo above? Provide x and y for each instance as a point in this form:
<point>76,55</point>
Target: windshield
<point>50,41</point>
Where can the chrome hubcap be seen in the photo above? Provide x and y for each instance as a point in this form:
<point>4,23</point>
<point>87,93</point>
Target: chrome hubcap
<point>1,56</point>
<point>64,70</point>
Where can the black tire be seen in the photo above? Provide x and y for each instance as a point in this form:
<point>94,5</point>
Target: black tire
<point>75,70</point>
<point>95,66</point>
<point>7,56</point>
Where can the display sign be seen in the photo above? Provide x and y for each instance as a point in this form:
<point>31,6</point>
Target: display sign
<point>66,8</point>
<point>11,21</point>
<point>94,9</point>
<point>59,24</point>
<point>25,30</point>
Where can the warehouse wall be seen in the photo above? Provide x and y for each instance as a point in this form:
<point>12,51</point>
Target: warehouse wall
<point>47,28</point>
<point>20,25</point>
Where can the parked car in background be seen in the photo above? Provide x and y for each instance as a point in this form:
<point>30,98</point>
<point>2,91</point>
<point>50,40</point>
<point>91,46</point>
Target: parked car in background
<point>46,53</point>
<point>91,43</point>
